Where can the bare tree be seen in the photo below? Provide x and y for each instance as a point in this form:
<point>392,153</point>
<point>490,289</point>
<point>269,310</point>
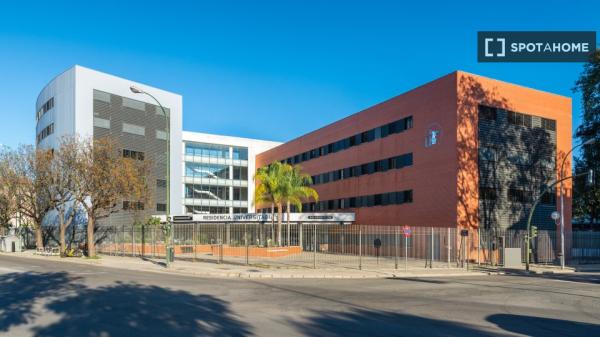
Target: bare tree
<point>8,201</point>
<point>30,168</point>
<point>105,178</point>
<point>62,176</point>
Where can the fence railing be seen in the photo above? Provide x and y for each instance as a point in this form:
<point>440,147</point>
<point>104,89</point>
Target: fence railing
<point>297,245</point>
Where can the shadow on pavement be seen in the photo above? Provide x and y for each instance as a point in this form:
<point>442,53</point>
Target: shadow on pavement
<point>539,326</point>
<point>129,309</point>
<point>362,322</point>
<point>20,291</point>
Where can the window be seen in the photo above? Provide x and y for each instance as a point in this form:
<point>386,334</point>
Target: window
<point>240,193</point>
<point>201,170</point>
<point>549,124</point>
<point>240,173</point>
<point>131,154</point>
<point>209,192</point>
<point>240,210</point>
<point>134,129</point>
<point>487,154</point>
<point>161,183</point>
<point>355,140</point>
<point>161,207</point>
<point>519,119</point>
<point>133,205</point>
<point>101,123</point>
<point>47,131</point>
<point>49,104</point>
<point>240,153</point>
<point>207,150</point>
<point>487,113</point>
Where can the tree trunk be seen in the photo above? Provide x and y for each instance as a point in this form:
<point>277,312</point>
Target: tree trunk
<point>39,241</point>
<point>91,244</point>
<point>279,222</point>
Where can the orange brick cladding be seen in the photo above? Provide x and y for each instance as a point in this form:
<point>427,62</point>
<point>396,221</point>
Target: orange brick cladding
<point>443,177</point>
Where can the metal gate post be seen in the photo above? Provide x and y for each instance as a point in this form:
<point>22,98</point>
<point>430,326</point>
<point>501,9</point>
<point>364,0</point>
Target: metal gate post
<point>315,246</point>
<point>246,243</point>
<point>301,235</point>
<point>405,253</point>
<point>360,247</point>
<point>479,245</point>
<point>448,241</point>
<point>432,247</point>
<point>195,239</point>
<point>396,246</point>
<point>132,240</point>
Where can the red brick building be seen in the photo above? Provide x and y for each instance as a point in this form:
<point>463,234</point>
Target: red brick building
<point>424,158</point>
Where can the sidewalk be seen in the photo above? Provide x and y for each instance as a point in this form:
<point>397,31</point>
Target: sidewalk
<point>208,269</point>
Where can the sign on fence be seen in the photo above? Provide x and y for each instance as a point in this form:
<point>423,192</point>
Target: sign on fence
<point>407,231</point>
<point>343,218</point>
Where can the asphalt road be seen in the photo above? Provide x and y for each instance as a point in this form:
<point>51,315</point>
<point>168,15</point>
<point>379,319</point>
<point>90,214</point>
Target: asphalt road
<point>39,298</point>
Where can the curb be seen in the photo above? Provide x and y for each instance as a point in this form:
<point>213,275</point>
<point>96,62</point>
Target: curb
<point>243,275</point>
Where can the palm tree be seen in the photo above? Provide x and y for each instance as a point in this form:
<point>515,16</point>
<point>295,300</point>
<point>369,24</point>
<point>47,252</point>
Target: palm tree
<point>296,189</point>
<point>268,189</point>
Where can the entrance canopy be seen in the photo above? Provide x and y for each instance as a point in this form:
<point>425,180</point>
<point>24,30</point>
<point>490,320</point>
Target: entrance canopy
<point>341,218</point>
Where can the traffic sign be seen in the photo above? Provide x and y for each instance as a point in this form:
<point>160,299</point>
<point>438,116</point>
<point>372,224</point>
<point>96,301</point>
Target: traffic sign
<point>407,231</point>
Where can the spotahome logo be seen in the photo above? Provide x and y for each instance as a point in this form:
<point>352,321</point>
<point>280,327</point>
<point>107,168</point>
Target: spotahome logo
<point>535,46</point>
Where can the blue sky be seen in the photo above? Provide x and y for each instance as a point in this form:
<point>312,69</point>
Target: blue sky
<point>269,69</point>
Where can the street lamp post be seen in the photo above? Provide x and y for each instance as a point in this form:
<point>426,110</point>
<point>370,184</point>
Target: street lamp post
<point>562,201</point>
<point>137,90</point>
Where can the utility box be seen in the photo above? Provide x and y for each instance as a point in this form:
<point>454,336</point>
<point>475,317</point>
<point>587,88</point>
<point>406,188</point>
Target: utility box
<point>10,244</point>
<point>512,258</point>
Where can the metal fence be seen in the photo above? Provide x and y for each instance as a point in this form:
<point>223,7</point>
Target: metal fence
<point>300,245</point>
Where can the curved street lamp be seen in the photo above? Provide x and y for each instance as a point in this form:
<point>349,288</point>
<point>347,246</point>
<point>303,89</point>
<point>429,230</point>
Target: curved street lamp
<point>562,201</point>
<point>137,90</point>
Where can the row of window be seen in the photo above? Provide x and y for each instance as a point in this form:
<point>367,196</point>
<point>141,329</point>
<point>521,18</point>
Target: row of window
<point>129,103</point>
<point>44,108</point>
<point>131,154</point>
<point>382,199</point>
<point>216,151</point>
<point>364,137</point>
<point>193,191</point>
<point>214,210</point>
<point>47,131</point>
<point>515,118</point>
<point>203,170</point>
<point>516,195</point>
<point>367,168</point>
<point>129,128</point>
<point>139,206</point>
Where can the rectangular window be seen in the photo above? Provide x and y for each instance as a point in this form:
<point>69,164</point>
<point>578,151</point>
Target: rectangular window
<point>240,153</point>
<point>131,154</point>
<point>161,207</point>
<point>161,183</point>
<point>549,124</point>
<point>101,123</point>
<point>487,193</point>
<point>134,129</point>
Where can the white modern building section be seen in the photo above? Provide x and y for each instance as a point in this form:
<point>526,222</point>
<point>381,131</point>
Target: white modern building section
<point>218,173</point>
<point>85,102</point>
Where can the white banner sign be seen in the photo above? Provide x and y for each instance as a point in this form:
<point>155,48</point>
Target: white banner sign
<point>264,217</point>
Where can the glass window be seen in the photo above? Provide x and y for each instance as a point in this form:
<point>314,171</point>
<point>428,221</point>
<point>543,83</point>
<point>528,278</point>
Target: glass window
<point>240,153</point>
<point>207,150</point>
<point>240,173</point>
<point>201,170</point>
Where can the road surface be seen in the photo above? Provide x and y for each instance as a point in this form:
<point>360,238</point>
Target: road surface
<point>45,298</point>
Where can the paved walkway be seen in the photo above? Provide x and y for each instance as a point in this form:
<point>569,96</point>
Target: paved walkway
<point>208,269</point>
